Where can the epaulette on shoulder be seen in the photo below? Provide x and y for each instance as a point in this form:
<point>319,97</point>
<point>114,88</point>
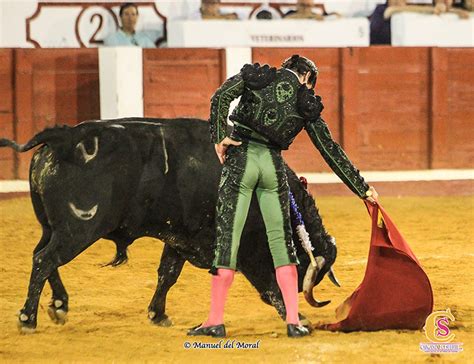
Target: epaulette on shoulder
<point>257,77</point>
<point>308,104</point>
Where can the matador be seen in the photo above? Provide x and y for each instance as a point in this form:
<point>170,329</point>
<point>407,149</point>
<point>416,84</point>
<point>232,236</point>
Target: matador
<point>275,105</point>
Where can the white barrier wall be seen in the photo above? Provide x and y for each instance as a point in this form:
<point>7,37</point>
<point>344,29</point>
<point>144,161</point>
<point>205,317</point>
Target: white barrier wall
<point>121,82</point>
<point>332,32</point>
<point>234,59</point>
<point>68,24</point>
<point>1,22</point>
<point>13,15</point>
<point>65,24</point>
<point>121,79</point>
<point>30,23</point>
<point>447,30</point>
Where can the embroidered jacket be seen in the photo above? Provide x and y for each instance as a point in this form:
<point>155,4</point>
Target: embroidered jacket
<point>276,106</point>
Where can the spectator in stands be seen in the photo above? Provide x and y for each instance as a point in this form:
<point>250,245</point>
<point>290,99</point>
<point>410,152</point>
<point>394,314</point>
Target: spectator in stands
<point>380,30</point>
<point>127,35</point>
<point>436,7</point>
<point>210,9</point>
<point>264,15</point>
<point>304,10</point>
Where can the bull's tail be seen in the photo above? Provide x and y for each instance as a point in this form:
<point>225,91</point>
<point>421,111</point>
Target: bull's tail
<point>12,144</point>
<point>57,138</point>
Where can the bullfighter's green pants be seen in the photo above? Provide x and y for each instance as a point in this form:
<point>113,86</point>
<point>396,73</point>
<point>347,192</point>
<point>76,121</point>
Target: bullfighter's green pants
<point>253,167</point>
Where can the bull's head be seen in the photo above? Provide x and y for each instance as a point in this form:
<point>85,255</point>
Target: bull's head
<point>325,250</point>
<point>315,274</point>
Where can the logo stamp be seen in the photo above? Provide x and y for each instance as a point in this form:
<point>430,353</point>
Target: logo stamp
<point>438,333</point>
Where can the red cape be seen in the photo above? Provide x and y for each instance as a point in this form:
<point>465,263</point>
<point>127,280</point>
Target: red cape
<point>395,292</point>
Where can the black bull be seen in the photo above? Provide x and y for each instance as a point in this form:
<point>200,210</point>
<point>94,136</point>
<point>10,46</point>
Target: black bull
<point>128,178</point>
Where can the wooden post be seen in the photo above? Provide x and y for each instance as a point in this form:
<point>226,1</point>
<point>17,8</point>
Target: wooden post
<point>24,126</point>
<point>350,118</point>
<point>438,128</point>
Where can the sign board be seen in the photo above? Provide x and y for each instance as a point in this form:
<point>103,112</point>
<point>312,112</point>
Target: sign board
<point>337,32</point>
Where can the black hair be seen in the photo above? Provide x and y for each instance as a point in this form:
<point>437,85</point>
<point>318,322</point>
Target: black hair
<point>302,65</point>
<point>127,5</point>
<point>264,15</point>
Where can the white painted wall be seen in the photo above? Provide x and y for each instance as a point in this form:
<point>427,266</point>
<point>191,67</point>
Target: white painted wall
<point>13,15</point>
<point>235,58</point>
<point>1,22</point>
<point>446,30</point>
<point>121,82</point>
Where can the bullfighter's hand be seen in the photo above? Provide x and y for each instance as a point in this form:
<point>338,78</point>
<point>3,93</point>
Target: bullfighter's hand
<point>221,148</point>
<point>374,198</point>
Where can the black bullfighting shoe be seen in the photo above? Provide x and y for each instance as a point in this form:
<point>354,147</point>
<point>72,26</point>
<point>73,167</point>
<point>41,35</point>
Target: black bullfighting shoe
<point>214,331</point>
<point>296,331</point>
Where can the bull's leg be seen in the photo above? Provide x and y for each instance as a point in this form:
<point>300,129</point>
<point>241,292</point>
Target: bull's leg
<point>169,270</point>
<point>42,268</point>
<point>266,284</point>
<point>59,305</point>
<point>59,251</point>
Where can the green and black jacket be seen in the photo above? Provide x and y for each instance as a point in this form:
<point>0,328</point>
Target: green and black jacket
<point>276,107</point>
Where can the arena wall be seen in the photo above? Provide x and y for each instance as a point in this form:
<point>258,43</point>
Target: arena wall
<point>7,163</point>
<point>390,108</point>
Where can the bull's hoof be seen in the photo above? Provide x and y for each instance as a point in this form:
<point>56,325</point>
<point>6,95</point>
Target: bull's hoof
<point>162,320</point>
<point>57,311</point>
<point>58,316</point>
<point>25,324</point>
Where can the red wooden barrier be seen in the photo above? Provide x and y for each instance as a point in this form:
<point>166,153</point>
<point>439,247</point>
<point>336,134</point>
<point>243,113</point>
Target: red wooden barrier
<point>53,86</point>
<point>180,82</point>
<point>7,157</point>
<point>452,108</point>
<point>390,111</point>
<point>376,104</point>
<point>390,108</point>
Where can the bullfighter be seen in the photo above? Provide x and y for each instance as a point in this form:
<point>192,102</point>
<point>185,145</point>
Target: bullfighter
<point>275,105</point>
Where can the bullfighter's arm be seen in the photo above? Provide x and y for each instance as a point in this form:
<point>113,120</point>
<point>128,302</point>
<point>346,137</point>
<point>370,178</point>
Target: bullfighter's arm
<point>336,158</point>
<point>220,102</point>
<point>310,108</point>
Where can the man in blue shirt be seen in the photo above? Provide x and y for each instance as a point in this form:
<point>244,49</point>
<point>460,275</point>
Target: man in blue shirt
<point>126,35</point>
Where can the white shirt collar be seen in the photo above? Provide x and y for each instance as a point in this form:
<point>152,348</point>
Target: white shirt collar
<point>297,76</point>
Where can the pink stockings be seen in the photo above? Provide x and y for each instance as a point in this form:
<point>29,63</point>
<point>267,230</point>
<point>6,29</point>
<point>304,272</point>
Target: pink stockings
<point>220,285</point>
<point>287,278</point>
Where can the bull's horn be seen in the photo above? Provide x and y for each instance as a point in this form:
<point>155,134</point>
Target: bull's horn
<point>333,278</point>
<point>308,283</point>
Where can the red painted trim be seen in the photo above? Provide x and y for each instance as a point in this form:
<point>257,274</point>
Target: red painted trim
<point>28,27</point>
<point>165,28</point>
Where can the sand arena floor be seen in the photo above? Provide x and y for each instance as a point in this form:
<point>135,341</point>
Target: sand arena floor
<point>108,318</point>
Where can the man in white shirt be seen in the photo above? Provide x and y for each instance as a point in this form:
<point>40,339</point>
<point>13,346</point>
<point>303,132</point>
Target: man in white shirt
<point>126,35</point>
